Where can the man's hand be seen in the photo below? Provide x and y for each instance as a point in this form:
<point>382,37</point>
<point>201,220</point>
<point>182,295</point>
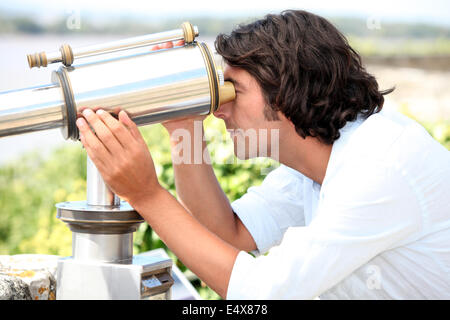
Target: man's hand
<point>120,154</point>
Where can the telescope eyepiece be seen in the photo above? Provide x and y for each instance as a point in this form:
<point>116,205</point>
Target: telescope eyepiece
<point>38,59</point>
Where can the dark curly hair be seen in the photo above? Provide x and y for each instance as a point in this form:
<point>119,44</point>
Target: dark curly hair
<point>306,69</point>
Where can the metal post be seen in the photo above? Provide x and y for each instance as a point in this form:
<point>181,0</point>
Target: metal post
<point>98,193</point>
<point>101,246</point>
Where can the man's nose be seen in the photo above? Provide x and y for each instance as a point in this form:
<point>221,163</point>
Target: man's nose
<point>223,111</point>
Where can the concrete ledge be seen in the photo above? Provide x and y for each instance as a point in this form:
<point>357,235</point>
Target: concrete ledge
<point>28,277</point>
<point>33,277</point>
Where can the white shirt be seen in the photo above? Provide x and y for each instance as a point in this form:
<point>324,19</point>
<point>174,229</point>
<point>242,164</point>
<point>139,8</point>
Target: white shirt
<point>377,228</point>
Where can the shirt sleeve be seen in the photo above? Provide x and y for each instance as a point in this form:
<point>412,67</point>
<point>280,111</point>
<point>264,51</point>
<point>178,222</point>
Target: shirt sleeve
<point>357,219</point>
<point>269,209</point>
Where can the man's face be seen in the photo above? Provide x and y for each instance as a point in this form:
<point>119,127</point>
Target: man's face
<point>244,118</point>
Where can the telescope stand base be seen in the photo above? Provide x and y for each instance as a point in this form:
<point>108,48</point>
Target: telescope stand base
<point>147,277</point>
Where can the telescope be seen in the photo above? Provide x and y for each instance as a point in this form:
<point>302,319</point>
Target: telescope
<point>152,87</point>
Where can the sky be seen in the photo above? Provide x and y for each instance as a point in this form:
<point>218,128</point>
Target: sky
<point>431,11</point>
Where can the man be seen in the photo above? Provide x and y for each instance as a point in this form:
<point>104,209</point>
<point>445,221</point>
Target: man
<point>358,208</point>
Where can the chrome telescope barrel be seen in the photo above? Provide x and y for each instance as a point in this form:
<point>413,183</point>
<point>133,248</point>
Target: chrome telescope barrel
<point>151,86</point>
<point>31,109</point>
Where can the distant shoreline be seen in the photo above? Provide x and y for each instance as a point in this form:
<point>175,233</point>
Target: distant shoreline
<point>438,63</point>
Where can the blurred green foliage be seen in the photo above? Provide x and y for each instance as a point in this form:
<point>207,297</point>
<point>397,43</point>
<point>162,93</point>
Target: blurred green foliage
<point>32,185</point>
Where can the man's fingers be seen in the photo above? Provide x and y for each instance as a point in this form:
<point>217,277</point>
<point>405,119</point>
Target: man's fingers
<point>104,134</point>
<point>167,45</point>
<point>125,119</point>
<point>94,147</point>
<point>179,43</point>
<point>154,48</point>
<point>119,130</point>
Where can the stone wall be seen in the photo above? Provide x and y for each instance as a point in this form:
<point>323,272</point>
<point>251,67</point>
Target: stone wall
<point>28,277</point>
<point>33,277</point>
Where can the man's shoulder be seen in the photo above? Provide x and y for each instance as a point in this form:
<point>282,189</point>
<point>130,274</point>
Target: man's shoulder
<point>379,131</point>
<point>389,136</point>
<point>386,148</point>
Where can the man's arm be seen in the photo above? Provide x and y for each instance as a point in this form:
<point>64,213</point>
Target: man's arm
<point>208,256</point>
<point>121,155</point>
<point>198,189</point>
<point>197,186</point>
